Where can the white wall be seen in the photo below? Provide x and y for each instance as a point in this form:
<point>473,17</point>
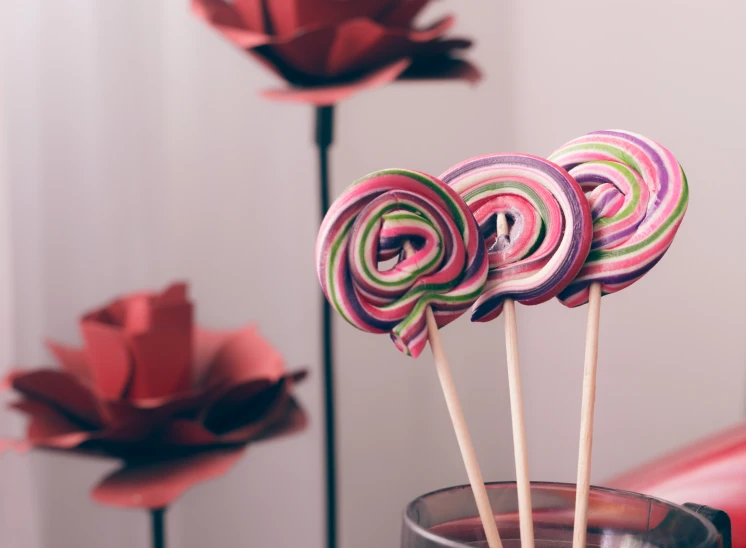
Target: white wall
<point>17,509</point>
<point>138,152</point>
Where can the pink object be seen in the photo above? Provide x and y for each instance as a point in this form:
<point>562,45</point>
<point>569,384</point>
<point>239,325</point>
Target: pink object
<point>710,472</point>
<point>157,484</point>
<point>372,221</point>
<point>328,50</point>
<point>638,195</point>
<point>550,226</point>
<point>175,403</point>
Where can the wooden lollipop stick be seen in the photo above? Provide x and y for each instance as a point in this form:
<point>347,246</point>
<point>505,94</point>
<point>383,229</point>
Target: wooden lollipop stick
<point>586,418</point>
<point>459,425</point>
<point>525,513</point>
<point>462,433</point>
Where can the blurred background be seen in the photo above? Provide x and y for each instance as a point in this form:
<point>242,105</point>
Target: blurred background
<point>134,150</point>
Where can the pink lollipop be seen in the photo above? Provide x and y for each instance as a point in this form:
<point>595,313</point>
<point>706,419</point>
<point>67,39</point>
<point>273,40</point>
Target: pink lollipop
<point>638,195</point>
<point>550,226</point>
<point>370,223</point>
<point>540,223</point>
<point>440,271</point>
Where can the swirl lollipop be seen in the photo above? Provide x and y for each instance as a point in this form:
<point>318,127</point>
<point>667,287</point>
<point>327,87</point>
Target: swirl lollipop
<point>638,195</point>
<point>440,272</point>
<point>549,230</point>
<point>370,223</point>
<point>539,222</point>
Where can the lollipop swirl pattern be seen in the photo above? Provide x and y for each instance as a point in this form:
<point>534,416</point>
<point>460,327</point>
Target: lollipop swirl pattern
<point>379,218</point>
<point>550,226</point>
<point>638,195</point>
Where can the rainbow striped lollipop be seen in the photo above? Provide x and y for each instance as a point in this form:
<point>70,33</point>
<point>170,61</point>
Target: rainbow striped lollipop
<point>538,221</point>
<point>638,195</point>
<point>440,271</point>
<point>550,234</point>
<point>372,222</point>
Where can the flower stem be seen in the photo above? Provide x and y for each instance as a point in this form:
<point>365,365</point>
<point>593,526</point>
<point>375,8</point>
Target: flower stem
<point>324,139</point>
<point>158,527</point>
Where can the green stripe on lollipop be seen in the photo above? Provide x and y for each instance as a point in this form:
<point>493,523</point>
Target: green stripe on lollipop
<point>373,223</point>
<point>634,184</point>
<point>600,254</point>
<point>612,151</point>
<point>456,212</point>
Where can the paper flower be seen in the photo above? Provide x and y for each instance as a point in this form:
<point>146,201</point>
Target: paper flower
<point>175,403</point>
<point>710,471</point>
<point>328,50</point>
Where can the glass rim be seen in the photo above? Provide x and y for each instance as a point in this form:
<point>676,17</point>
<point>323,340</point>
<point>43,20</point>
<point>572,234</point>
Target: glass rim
<point>447,543</point>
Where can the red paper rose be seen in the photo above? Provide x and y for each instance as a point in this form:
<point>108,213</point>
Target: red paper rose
<point>175,403</point>
<point>329,49</point>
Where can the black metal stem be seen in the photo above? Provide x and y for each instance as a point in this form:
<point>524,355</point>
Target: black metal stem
<point>324,139</point>
<point>158,527</point>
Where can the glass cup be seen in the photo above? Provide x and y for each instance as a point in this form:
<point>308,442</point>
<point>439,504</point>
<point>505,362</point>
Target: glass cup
<point>448,518</point>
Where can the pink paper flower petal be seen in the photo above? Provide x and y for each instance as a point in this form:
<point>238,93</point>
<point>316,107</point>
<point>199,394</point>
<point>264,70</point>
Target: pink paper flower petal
<point>137,314</point>
<point>442,68</point>
<point>362,44</point>
<point>252,14</point>
<point>172,404</point>
<point>188,433</point>
<point>19,446</point>
<point>292,420</point>
<point>250,403</point>
<point>354,46</point>
<point>401,14</point>
<point>71,359</point>
<point>246,356</point>
<point>133,420</point>
<point>219,13</point>
<point>141,312</point>
<point>63,391</point>
<point>434,31</point>
<point>291,16</point>
<point>161,363</point>
<point>173,317</point>
<point>244,32</point>
<point>48,428</point>
<point>305,53</point>
<point>174,294</point>
<point>358,43</point>
<point>287,420</point>
<point>6,383</point>
<point>243,417</point>
<point>159,484</point>
<point>297,376</point>
<point>108,357</point>
<point>114,313</point>
<point>207,344</point>
<point>331,95</point>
